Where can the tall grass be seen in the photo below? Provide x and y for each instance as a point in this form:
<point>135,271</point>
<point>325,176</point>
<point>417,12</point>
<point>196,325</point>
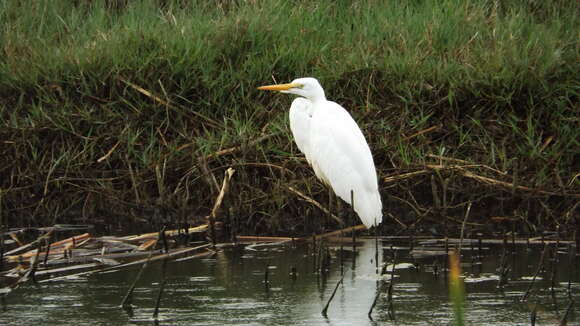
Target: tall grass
<point>77,135</point>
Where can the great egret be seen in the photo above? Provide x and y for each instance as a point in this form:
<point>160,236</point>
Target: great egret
<point>335,147</point>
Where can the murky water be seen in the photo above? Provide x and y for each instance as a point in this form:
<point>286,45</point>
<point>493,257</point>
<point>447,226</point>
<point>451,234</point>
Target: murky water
<point>229,289</point>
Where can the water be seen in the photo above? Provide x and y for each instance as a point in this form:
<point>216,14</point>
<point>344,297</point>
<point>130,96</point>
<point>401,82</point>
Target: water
<point>229,289</point>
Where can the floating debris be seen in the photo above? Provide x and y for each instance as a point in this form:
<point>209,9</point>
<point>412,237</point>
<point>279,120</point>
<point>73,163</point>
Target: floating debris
<point>85,254</point>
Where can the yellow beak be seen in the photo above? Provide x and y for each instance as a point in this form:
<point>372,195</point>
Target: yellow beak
<point>279,87</point>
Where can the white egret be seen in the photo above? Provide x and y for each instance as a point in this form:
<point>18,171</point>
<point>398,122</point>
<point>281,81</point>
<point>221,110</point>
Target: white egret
<point>335,147</point>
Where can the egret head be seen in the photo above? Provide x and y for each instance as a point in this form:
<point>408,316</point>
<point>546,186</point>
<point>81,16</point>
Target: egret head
<point>307,87</point>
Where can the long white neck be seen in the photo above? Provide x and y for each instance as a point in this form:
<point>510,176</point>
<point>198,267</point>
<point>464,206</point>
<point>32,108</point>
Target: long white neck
<point>316,96</point>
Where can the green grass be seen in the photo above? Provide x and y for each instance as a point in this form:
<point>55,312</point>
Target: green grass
<point>501,81</point>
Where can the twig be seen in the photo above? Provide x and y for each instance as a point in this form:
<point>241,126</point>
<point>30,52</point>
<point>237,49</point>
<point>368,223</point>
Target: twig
<point>352,229</point>
<point>129,295</point>
<point>266,277</point>
<point>444,158</point>
<point>167,104</point>
<point>1,234</point>
<point>236,148</point>
<point>466,163</point>
<point>207,174</point>
<point>257,238</point>
<point>564,320</point>
<point>155,235</point>
<point>224,188</point>
<point>533,315</point>
<point>391,308</point>
<point>317,204</point>
<point>375,300</point>
<point>463,228</point>
<point>12,257</point>
<point>34,265</point>
<point>403,176</point>
<point>163,239</point>
<point>161,288</point>
<point>424,131</point>
<point>325,310</point>
<point>487,180</point>
<point>540,264</point>
<point>106,156</point>
<point>218,203</point>
<point>172,254</point>
<point>504,268</point>
<point>47,253</point>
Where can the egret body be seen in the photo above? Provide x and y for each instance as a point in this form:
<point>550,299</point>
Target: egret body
<point>334,146</point>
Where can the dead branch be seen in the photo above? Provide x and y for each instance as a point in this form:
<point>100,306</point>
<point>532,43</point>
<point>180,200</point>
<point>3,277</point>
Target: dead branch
<point>225,183</point>
<point>317,204</point>
<point>169,105</point>
<point>237,148</point>
<point>461,170</point>
<point>421,132</point>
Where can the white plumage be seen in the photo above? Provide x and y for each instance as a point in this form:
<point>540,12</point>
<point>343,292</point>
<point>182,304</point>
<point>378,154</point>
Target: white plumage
<point>300,115</point>
<point>335,147</point>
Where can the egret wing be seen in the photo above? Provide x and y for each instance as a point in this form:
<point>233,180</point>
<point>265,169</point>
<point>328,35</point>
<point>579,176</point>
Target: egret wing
<point>300,116</point>
<point>342,158</point>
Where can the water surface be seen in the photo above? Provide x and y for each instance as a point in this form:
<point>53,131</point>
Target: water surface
<point>229,289</point>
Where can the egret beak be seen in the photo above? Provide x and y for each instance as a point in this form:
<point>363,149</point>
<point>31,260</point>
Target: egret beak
<point>279,87</point>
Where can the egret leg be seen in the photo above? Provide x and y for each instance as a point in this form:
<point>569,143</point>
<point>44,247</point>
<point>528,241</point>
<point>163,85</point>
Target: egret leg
<point>353,219</point>
<point>329,215</point>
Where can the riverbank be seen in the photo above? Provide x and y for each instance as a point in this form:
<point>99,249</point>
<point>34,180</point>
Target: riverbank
<point>119,113</point>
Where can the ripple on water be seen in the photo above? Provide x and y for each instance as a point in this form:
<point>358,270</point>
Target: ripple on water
<point>531,278</point>
<point>493,302</point>
<point>573,285</point>
<point>408,287</point>
<point>481,278</point>
<point>74,279</point>
<point>244,305</point>
<point>376,277</point>
<point>513,294</point>
<point>201,279</point>
<point>60,298</point>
